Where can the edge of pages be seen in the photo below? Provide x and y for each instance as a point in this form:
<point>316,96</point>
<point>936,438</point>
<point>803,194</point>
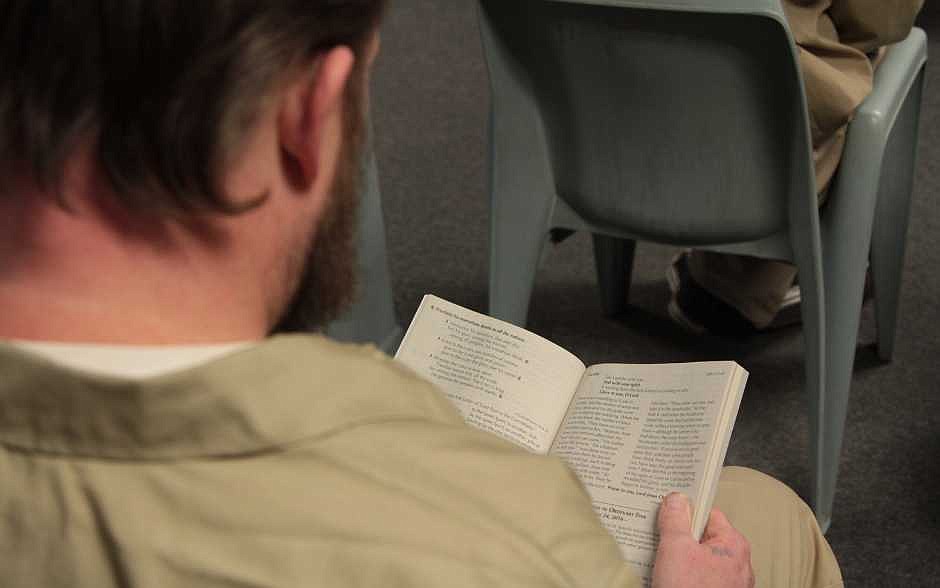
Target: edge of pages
<point>737,383</point>
<point>429,298</point>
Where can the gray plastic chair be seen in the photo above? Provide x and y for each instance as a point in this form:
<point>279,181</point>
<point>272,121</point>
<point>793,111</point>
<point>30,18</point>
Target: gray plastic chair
<point>685,123</point>
<point>371,319</point>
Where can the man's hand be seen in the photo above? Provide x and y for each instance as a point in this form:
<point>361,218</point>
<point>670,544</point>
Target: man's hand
<point>722,559</point>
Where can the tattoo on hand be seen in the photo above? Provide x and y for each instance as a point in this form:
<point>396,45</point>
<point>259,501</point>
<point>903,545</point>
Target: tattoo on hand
<point>722,552</point>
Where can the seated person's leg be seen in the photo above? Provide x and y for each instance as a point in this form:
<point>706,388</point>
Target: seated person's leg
<point>755,288</point>
<point>787,547</point>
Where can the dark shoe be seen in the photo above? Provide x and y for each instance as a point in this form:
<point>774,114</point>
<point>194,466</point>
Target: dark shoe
<point>556,236</point>
<point>697,310</point>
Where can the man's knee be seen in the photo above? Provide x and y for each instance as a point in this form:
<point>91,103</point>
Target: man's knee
<point>765,488</point>
<point>787,546</point>
<point>748,497</point>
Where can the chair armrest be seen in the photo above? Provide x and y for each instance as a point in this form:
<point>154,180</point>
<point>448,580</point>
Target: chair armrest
<point>847,219</point>
<point>893,80</point>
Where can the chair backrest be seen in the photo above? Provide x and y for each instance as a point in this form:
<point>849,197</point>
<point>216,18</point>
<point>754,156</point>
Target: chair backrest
<point>682,121</point>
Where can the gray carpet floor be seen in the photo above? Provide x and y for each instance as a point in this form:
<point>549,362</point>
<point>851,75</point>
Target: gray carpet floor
<point>430,103</point>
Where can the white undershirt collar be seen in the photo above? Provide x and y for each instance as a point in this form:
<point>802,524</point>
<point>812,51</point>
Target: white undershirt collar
<point>129,361</point>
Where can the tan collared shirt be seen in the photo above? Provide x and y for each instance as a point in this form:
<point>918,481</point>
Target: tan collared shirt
<point>296,462</point>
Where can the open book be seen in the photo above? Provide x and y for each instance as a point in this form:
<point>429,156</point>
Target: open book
<point>631,433</point>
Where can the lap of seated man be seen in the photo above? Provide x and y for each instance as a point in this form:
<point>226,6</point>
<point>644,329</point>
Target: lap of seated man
<point>180,182</point>
<point>839,42</point>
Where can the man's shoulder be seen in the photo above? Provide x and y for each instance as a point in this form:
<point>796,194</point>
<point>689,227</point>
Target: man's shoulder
<point>458,490</point>
<point>346,464</point>
<point>356,380</point>
<point>449,491</point>
<point>427,432</point>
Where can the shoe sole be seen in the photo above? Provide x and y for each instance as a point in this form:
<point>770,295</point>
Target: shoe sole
<point>792,297</point>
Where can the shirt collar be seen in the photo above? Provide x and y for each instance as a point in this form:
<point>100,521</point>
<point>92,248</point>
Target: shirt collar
<point>283,390</point>
<point>128,361</point>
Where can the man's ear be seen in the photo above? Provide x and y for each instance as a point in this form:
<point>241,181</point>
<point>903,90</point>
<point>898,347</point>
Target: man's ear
<point>309,106</point>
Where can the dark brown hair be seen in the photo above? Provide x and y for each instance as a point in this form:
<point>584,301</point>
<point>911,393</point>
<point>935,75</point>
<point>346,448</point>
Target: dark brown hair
<point>165,90</point>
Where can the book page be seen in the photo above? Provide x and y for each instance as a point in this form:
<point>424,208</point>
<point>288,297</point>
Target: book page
<point>634,433</point>
<point>502,378</point>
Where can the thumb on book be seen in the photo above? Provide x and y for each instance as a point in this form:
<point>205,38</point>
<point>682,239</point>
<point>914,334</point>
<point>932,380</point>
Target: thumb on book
<point>675,516</point>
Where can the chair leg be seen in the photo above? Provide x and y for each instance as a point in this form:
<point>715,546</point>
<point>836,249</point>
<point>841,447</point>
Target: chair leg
<point>848,224</point>
<point>844,295</point>
<point>614,260</point>
<point>887,261</point>
<point>829,376</point>
<point>514,256</point>
<point>889,234</point>
<point>522,198</point>
<point>372,316</point>
<point>814,343</point>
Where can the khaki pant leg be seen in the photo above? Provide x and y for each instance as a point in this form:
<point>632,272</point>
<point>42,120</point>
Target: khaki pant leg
<point>787,547</point>
<point>754,287</point>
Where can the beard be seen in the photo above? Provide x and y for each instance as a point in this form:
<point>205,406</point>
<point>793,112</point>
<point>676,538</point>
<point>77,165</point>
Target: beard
<point>327,283</point>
